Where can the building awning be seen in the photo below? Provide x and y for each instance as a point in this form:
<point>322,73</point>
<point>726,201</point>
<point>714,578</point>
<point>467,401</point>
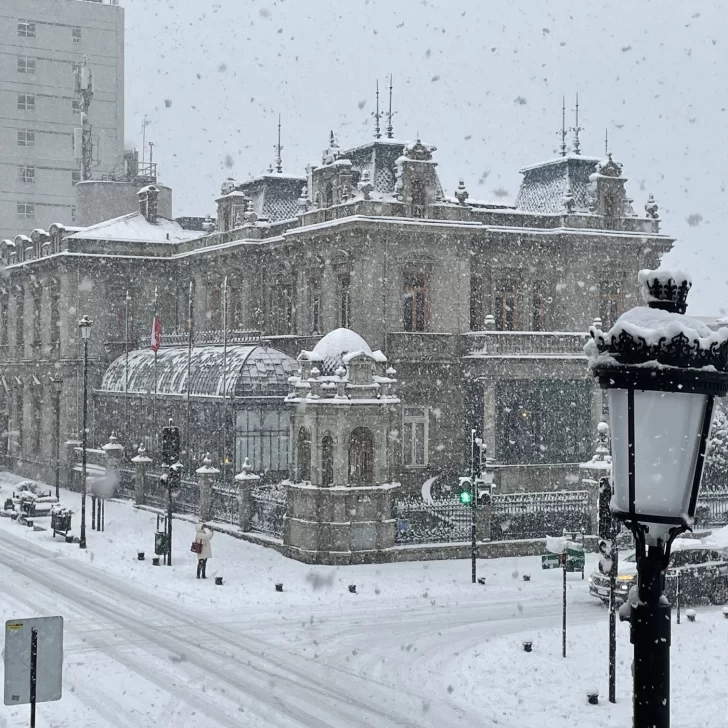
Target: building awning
<point>249,371</point>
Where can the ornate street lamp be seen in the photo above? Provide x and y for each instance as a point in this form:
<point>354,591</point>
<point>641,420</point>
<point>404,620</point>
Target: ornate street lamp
<point>662,371</point>
<point>84,326</point>
<point>57,382</point>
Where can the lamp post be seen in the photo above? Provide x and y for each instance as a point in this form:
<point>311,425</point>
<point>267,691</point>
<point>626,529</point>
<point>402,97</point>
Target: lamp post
<point>662,371</point>
<point>85,327</point>
<point>57,382</point>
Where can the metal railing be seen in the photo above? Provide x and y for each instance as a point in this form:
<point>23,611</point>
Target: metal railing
<point>444,520</point>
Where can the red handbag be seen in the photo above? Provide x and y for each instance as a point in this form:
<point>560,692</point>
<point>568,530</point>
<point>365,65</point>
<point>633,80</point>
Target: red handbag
<point>196,547</point>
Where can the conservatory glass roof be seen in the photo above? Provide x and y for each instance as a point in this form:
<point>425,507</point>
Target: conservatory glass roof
<point>250,371</point>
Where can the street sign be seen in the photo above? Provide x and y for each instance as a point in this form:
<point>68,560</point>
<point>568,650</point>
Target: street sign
<point>49,659</point>
<point>551,561</point>
<point>575,560</point>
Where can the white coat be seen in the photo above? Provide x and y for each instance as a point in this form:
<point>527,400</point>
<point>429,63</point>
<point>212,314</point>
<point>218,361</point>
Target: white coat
<point>204,535</point>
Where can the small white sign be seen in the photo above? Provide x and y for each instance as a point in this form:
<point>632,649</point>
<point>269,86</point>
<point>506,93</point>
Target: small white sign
<point>49,665</point>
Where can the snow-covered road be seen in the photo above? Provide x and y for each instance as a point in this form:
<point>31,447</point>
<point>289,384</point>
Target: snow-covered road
<point>417,645</point>
<point>266,669</point>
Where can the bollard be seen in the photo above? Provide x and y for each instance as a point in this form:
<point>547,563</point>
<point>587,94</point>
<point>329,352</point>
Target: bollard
<point>279,587</point>
<point>140,556</point>
<point>218,581</point>
<point>526,577</point>
<point>481,580</point>
<point>690,614</point>
<point>593,697</point>
<point>155,561</point>
<point>527,645</point>
<point>352,588</point>
<point>69,539</point>
<point>725,612</point>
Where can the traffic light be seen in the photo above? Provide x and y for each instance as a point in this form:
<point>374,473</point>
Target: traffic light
<point>466,491</point>
<point>170,445</point>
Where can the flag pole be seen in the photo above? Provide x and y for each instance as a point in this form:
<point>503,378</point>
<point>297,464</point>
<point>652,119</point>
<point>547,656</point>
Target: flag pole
<point>224,376</point>
<point>127,301</point>
<point>155,346</point>
<point>190,325</point>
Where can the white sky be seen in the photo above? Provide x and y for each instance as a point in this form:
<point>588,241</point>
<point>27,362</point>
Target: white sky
<point>481,80</point>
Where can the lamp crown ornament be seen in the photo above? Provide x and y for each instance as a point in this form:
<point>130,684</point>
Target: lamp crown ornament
<point>666,290</point>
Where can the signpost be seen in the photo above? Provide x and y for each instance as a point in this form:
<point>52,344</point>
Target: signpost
<point>33,661</point>
<point>172,479</point>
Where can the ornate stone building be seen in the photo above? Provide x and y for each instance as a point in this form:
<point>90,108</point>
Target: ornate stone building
<point>480,308</point>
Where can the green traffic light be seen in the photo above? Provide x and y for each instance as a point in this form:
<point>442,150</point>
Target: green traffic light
<point>466,496</point>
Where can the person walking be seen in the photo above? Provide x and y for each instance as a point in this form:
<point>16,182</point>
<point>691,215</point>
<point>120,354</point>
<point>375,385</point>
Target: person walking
<point>203,536</point>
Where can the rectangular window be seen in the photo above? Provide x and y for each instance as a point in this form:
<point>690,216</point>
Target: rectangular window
<point>344,308</point>
<point>26,28</point>
<point>314,300</point>
<point>36,428</point>
<point>414,302</point>
<point>26,174</point>
<point>263,437</point>
<point>26,138</point>
<point>37,320</point>
<point>26,102</point>
<point>55,315</point>
<point>75,176</point>
<point>76,34</point>
<point>26,64</point>
<point>541,305</point>
<point>414,436</point>
<point>611,303</point>
<point>545,421</point>
<point>506,305</point>
<point>214,308</point>
<point>477,303</point>
<point>25,210</point>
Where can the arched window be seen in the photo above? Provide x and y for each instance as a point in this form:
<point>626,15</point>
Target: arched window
<point>361,456</point>
<point>327,460</point>
<point>303,448</point>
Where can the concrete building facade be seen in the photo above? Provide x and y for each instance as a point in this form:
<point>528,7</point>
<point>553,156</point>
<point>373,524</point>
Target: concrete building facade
<point>42,45</point>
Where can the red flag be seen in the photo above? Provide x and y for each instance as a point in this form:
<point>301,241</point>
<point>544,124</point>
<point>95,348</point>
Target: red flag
<point>156,334</point>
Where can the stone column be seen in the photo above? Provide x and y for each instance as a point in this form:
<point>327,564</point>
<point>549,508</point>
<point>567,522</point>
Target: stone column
<point>206,474</point>
<point>141,463</point>
<point>247,480</point>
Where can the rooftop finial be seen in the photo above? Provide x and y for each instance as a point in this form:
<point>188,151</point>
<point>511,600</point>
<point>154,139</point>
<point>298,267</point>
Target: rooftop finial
<point>606,142</point>
<point>390,113</point>
<point>279,149</point>
<point>576,129</point>
<point>377,117</point>
<point>563,126</point>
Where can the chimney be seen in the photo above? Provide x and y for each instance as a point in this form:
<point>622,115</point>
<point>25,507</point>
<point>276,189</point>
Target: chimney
<point>148,203</point>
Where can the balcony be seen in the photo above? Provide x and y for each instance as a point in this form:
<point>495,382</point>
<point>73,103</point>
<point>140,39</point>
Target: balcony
<point>560,344</point>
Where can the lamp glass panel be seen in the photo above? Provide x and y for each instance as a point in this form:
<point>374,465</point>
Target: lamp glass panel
<point>667,429</point>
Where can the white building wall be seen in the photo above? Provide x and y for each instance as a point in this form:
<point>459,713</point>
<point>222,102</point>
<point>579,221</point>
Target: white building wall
<point>53,195</point>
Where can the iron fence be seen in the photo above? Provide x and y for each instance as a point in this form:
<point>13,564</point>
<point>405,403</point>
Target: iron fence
<point>444,520</point>
<point>712,508</point>
<point>225,503</point>
<point>537,515</point>
<point>125,487</point>
<point>267,511</point>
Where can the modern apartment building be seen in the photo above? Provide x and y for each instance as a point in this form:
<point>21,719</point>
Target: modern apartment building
<point>42,45</point>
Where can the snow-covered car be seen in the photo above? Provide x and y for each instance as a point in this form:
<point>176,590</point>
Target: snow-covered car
<point>702,572</point>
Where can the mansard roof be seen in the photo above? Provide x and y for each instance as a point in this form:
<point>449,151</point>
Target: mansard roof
<point>135,228</point>
<point>275,195</point>
<point>546,185</point>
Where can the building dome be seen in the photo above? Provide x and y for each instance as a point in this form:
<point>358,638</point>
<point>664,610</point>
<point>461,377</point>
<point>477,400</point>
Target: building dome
<point>335,345</point>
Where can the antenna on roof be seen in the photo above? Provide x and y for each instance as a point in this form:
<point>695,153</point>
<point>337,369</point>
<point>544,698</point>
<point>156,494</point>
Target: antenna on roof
<point>279,149</point>
<point>563,126</point>
<point>390,113</point>
<point>576,129</point>
<point>377,116</point>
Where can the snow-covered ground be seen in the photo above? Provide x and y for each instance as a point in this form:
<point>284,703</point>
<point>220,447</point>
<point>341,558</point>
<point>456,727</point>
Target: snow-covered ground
<point>417,645</point>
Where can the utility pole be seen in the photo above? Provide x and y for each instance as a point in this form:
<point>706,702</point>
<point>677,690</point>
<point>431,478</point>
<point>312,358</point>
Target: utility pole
<point>84,94</point>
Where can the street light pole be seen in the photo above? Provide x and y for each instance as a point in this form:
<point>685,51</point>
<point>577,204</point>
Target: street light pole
<point>58,387</point>
<point>85,326</point>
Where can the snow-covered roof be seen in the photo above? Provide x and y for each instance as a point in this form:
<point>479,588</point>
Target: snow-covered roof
<point>135,228</point>
<point>335,345</point>
<point>249,371</point>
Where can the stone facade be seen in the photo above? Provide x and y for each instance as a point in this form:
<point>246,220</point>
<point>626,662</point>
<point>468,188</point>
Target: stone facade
<point>480,308</point>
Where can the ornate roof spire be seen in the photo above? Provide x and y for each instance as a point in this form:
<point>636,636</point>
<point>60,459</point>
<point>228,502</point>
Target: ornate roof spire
<point>377,117</point>
<point>576,129</point>
<point>606,142</point>
<point>390,113</point>
<point>563,126</point>
<point>279,149</point>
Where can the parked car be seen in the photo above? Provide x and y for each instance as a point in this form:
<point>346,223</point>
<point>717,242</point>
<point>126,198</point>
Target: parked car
<point>702,573</point>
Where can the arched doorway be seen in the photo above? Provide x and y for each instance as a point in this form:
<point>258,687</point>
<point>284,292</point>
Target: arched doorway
<point>361,456</point>
<point>327,460</point>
